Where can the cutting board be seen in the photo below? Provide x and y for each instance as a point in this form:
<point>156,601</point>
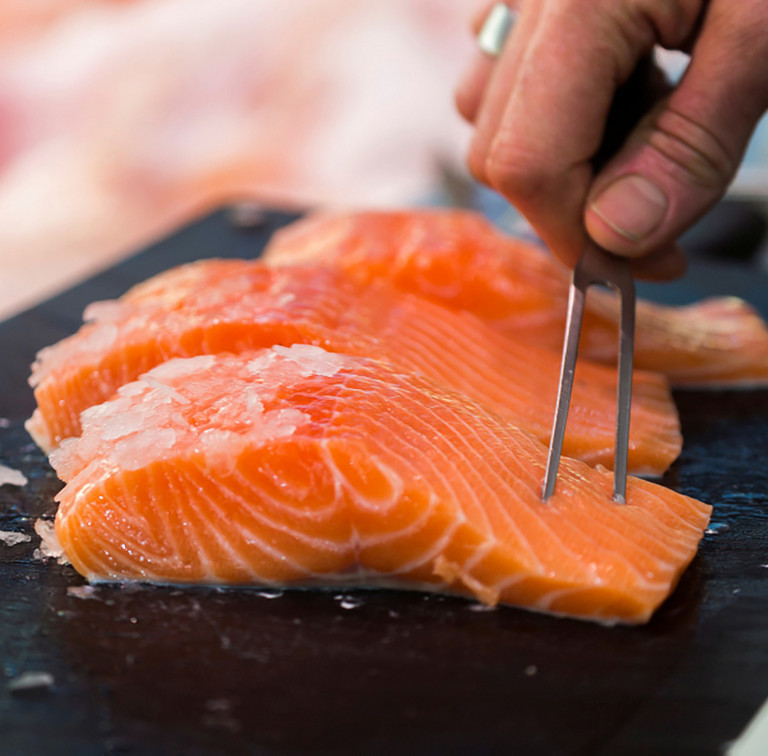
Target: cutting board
<point>204,671</point>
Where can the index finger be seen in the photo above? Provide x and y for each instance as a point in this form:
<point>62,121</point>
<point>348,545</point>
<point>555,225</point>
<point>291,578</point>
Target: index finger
<point>538,153</point>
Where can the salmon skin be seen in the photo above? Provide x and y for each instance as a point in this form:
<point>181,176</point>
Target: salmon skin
<point>299,466</point>
<point>459,259</point>
<point>231,306</point>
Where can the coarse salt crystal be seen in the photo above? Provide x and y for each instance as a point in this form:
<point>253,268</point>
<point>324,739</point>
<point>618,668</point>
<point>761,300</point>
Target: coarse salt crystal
<point>29,682</point>
<point>105,311</point>
<point>181,368</point>
<point>262,362</point>
<point>313,360</point>
<point>99,339</point>
<point>65,458</point>
<point>50,548</point>
<point>134,388</point>
<point>11,477</point>
<point>138,450</point>
<point>280,423</point>
<point>166,390</point>
<point>221,448</point>
<point>120,426</point>
<point>253,404</point>
<point>82,592</point>
<point>11,538</point>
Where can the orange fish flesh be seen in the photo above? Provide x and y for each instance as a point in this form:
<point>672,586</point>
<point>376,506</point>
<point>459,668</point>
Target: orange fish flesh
<point>299,466</point>
<point>231,306</point>
<point>459,259</point>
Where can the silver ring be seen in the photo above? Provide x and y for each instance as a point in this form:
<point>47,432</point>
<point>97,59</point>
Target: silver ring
<point>495,30</point>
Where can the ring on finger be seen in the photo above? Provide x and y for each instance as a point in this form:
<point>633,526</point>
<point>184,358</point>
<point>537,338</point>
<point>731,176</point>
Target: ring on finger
<point>495,29</point>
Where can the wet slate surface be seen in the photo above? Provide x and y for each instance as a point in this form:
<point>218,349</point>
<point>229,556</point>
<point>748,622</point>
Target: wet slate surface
<point>200,671</point>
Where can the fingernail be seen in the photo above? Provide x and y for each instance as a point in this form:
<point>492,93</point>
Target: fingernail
<point>632,206</point>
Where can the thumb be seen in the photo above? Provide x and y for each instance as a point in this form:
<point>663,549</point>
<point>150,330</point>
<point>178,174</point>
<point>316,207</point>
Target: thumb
<point>680,159</point>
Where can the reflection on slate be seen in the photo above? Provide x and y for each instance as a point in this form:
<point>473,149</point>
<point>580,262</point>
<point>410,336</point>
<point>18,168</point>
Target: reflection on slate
<point>310,671</point>
<point>203,671</point>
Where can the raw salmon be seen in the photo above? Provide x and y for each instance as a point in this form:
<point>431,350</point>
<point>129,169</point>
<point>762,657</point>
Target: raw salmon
<point>298,466</point>
<point>459,259</point>
<point>231,306</point>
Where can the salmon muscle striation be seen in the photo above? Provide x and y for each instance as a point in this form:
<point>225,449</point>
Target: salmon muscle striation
<point>299,466</point>
<point>459,259</point>
<point>219,306</point>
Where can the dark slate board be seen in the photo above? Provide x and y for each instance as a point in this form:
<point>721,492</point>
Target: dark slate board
<point>203,671</point>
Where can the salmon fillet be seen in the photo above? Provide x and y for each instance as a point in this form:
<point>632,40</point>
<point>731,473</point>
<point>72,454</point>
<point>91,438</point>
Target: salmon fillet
<point>231,306</point>
<point>459,259</point>
<point>299,466</point>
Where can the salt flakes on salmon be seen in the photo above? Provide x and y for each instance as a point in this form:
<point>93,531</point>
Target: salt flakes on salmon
<point>354,471</point>
<point>10,476</point>
<point>230,306</point>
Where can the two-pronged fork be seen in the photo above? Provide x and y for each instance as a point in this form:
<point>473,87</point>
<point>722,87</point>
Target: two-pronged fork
<point>596,266</point>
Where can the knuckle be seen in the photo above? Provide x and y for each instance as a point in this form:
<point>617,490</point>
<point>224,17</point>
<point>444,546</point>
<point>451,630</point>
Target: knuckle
<point>671,20</point>
<point>517,172</point>
<point>693,152</point>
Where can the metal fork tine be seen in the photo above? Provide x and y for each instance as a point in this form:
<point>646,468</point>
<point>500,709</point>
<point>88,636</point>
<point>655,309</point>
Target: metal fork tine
<point>596,266</point>
<point>576,297</point>
<point>626,286</point>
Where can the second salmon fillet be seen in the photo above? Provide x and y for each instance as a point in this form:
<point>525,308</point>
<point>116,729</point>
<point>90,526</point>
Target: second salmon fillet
<point>231,306</point>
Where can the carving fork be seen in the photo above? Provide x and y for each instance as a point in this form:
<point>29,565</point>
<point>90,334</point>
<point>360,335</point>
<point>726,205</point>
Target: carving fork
<point>596,266</point>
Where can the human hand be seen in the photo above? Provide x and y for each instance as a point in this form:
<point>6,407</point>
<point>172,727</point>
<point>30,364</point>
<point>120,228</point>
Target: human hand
<point>540,109</point>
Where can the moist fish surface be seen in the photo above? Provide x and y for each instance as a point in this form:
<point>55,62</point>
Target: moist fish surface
<point>459,259</point>
<point>234,305</point>
<point>299,466</point>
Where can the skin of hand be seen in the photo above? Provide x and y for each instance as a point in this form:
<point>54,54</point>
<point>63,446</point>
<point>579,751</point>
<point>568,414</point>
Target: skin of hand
<point>539,112</point>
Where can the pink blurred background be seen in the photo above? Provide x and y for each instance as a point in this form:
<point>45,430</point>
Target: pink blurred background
<point>122,119</point>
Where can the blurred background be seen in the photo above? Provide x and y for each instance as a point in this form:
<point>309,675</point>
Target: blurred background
<point>121,120</point>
